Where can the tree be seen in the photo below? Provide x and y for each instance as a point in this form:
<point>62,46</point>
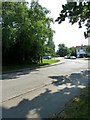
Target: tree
<point>62,50</point>
<point>76,12</point>
<point>88,48</point>
<point>40,27</point>
<point>14,31</point>
<point>24,31</point>
<point>72,51</point>
<point>50,46</point>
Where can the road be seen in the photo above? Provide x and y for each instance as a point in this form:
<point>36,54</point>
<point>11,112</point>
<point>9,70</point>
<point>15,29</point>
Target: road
<point>41,92</point>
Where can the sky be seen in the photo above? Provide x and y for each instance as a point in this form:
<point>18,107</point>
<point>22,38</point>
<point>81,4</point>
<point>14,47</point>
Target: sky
<point>65,33</point>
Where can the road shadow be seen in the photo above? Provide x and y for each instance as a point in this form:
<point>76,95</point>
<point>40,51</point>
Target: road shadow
<point>44,106</point>
<point>76,79</point>
<point>17,74</point>
<point>49,102</point>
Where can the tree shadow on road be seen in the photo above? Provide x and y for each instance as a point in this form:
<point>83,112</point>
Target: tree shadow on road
<point>48,102</point>
<point>74,79</point>
<point>17,74</point>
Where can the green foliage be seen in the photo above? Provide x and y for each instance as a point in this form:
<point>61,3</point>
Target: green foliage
<point>88,48</point>
<point>62,50</point>
<point>76,12</point>
<point>72,51</point>
<point>50,46</point>
<point>24,32</point>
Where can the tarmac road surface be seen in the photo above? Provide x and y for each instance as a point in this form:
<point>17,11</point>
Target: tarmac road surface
<point>42,92</point>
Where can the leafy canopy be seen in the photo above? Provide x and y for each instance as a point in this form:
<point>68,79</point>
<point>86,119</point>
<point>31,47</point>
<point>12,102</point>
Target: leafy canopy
<point>62,50</point>
<point>76,12</point>
<point>25,31</point>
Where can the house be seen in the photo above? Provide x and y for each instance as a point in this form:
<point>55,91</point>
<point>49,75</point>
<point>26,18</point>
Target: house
<point>80,51</point>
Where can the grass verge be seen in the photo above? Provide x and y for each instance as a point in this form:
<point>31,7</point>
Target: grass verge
<point>18,67</point>
<point>77,108</point>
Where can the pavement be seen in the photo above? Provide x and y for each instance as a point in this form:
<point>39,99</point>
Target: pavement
<point>56,86</point>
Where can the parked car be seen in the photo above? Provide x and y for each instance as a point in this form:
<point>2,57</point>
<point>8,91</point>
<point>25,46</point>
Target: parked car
<point>66,57</point>
<point>47,57</point>
<point>72,57</point>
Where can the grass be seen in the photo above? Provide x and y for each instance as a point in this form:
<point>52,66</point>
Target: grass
<point>77,108</point>
<point>49,61</point>
<point>18,67</point>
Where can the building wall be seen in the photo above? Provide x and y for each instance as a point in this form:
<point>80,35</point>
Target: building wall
<point>80,51</point>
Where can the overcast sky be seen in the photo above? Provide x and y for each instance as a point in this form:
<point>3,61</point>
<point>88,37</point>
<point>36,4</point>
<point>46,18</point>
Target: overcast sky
<point>65,33</point>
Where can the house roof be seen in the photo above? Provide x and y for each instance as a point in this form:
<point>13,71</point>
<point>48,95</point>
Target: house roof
<point>81,46</point>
